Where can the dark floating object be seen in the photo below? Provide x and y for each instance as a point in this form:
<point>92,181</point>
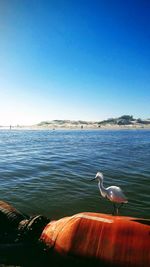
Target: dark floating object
<point>9,217</point>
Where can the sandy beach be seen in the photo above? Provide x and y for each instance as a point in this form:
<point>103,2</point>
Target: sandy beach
<point>77,127</point>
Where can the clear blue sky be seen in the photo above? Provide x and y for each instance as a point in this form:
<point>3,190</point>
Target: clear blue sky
<point>74,59</point>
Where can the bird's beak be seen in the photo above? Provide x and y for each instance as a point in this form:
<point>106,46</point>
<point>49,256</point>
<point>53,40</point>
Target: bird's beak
<point>93,179</point>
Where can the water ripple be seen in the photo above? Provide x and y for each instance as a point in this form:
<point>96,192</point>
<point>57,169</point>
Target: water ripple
<point>49,172</point>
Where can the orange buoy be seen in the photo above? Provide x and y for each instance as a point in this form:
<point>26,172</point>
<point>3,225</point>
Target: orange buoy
<point>100,239</point>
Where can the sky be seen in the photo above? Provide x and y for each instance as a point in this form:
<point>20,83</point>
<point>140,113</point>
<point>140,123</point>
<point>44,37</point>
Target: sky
<point>74,59</point>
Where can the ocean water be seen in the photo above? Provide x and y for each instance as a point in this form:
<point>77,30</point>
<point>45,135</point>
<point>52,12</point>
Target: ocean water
<point>48,172</point>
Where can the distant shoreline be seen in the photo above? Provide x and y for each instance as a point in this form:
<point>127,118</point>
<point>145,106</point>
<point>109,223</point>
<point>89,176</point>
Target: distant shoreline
<point>123,122</point>
<point>69,127</point>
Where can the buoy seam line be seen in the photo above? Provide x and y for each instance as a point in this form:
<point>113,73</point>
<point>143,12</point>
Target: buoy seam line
<point>100,219</point>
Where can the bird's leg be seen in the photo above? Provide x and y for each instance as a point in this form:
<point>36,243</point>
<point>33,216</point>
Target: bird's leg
<point>115,210</point>
<point>120,206</point>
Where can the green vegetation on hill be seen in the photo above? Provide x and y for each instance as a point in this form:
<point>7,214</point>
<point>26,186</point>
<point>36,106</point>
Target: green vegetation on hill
<point>62,122</point>
<point>120,121</point>
<point>123,120</point>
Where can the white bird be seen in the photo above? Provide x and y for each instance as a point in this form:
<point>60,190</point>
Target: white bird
<point>112,193</point>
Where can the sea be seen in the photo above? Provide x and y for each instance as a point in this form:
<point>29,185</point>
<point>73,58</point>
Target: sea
<point>49,172</point>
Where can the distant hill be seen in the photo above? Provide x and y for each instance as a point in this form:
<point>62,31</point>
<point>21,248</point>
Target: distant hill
<point>63,122</point>
<point>67,124</point>
<point>125,120</point>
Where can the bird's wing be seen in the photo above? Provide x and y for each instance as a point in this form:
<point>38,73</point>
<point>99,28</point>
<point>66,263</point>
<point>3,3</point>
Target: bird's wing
<point>115,194</point>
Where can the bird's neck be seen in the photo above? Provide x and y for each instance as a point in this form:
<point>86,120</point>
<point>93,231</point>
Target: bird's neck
<point>102,188</point>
